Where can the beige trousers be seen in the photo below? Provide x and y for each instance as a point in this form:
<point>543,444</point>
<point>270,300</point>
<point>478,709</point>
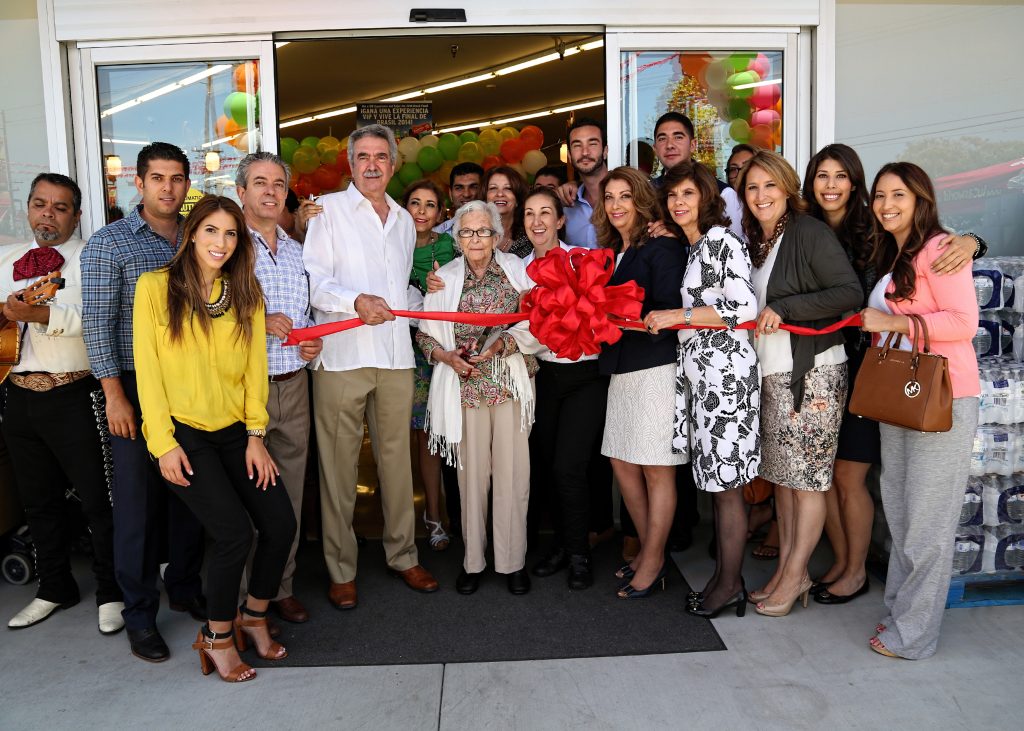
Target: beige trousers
<point>494,448</point>
<point>288,443</point>
<point>341,400</point>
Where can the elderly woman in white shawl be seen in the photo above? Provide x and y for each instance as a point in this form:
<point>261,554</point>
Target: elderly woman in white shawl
<point>480,407</point>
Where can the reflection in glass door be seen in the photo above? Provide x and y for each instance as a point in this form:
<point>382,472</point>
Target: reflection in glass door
<point>210,109</point>
<point>732,98</point>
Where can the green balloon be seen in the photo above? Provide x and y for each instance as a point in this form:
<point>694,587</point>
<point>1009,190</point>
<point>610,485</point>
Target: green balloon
<point>429,159</point>
<point>288,147</point>
<point>739,61</point>
<point>468,136</point>
<point>310,141</point>
<point>744,78</point>
<point>236,106</point>
<point>449,145</point>
<point>739,109</point>
<point>395,188</point>
<point>410,172</point>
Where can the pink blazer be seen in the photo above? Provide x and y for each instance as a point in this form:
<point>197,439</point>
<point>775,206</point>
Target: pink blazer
<point>950,309</point>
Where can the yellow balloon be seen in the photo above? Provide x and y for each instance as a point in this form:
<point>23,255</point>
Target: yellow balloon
<point>508,133</point>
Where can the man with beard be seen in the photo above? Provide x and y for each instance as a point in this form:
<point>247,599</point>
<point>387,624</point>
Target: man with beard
<point>589,154</point>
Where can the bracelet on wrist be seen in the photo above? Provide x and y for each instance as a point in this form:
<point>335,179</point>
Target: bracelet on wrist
<point>258,433</point>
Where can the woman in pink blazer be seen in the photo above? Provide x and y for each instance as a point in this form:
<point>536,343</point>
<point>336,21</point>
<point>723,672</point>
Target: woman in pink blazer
<point>923,475</point>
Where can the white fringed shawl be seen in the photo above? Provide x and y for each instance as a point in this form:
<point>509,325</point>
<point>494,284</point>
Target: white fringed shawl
<point>444,404</point>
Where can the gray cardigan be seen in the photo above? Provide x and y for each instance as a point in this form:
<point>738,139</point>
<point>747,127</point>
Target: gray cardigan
<point>812,284</point>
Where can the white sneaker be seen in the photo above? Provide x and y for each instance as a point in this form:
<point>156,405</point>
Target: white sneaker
<point>34,613</point>
<point>111,621</point>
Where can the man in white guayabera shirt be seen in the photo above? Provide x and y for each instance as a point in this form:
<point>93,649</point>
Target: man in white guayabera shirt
<point>358,253</point>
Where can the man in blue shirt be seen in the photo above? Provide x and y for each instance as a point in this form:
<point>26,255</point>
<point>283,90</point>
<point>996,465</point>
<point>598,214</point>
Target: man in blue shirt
<point>589,154</point>
<point>112,262</point>
<point>262,180</point>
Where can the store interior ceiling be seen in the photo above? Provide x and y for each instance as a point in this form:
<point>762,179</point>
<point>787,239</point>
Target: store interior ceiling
<point>318,75</point>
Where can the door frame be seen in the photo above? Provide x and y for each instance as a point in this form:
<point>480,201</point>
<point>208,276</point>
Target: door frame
<point>85,103</point>
<point>796,75</point>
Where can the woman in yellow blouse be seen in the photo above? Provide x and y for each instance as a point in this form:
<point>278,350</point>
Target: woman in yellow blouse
<point>202,373</point>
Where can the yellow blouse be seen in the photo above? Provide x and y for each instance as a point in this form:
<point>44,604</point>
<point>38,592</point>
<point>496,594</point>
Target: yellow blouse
<point>207,382</point>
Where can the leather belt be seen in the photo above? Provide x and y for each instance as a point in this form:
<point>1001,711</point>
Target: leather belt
<point>285,376</point>
<point>40,381</point>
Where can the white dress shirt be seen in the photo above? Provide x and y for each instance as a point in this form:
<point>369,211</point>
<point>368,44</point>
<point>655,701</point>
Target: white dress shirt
<point>57,346</point>
<point>348,252</point>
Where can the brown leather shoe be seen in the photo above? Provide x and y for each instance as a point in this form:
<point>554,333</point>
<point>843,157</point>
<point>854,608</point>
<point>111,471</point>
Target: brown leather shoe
<point>417,578</point>
<point>291,610</point>
<point>343,596</point>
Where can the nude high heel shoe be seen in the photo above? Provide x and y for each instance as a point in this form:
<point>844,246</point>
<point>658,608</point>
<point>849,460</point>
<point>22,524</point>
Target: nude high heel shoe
<point>781,610</point>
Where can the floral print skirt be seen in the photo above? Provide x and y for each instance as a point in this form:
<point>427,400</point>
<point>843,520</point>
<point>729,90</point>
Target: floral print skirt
<point>421,389</point>
<point>798,449</point>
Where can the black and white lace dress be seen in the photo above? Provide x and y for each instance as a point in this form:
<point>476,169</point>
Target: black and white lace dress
<point>718,382</point>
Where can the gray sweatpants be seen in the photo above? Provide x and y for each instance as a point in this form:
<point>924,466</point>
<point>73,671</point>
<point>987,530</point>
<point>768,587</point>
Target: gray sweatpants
<point>922,483</point>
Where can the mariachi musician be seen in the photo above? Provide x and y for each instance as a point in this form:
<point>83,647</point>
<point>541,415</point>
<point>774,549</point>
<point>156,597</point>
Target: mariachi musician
<point>50,423</point>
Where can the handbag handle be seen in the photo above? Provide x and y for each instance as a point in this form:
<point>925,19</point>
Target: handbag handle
<point>922,328</point>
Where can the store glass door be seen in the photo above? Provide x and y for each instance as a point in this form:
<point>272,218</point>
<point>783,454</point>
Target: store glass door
<point>210,100</point>
<point>736,88</point>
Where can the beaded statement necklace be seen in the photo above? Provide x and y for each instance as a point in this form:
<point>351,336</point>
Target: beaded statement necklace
<point>780,227</point>
<point>218,308</point>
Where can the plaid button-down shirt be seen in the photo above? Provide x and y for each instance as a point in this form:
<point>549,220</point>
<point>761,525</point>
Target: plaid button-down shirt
<point>286,290</point>
<point>114,259</point>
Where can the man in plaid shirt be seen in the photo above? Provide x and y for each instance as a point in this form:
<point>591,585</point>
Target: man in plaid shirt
<point>145,512</point>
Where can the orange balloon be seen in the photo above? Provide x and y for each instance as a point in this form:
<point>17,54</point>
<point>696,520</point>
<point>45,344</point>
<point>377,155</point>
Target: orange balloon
<point>532,137</point>
<point>694,64</point>
<point>240,76</point>
<point>491,161</point>
<point>221,126</point>
<point>231,128</point>
<point>761,136</point>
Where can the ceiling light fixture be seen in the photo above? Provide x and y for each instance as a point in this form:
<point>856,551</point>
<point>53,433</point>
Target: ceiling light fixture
<point>456,83</point>
<point>521,117</point>
<point>754,85</point>
<point>174,86</point>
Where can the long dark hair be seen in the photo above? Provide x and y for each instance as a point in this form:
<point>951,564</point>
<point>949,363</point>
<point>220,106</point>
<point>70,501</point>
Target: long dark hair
<point>518,190</point>
<point>888,256</point>
<point>785,177</point>
<point>712,208</point>
<point>854,231</point>
<point>645,200</point>
<point>185,300</point>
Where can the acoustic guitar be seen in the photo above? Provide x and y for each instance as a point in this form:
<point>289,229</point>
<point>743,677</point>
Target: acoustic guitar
<point>40,293</point>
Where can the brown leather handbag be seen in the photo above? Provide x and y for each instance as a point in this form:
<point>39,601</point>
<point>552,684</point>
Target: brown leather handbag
<point>900,388</point>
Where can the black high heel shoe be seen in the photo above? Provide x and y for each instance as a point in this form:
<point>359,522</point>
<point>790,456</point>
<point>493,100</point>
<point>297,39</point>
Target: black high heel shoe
<point>631,592</point>
<point>625,572</point>
<point>739,600</point>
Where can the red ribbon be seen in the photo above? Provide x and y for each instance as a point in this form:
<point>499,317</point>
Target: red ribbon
<point>572,310</point>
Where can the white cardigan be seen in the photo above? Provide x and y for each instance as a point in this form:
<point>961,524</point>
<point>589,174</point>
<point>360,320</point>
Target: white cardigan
<point>444,404</point>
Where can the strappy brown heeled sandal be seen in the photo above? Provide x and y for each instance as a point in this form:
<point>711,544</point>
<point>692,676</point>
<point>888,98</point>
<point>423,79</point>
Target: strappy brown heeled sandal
<point>208,640</point>
<point>247,619</point>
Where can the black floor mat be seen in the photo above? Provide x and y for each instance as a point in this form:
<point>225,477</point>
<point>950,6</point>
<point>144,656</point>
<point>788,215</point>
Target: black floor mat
<point>394,625</point>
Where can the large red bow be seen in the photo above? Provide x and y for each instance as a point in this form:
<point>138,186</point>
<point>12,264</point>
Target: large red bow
<point>570,306</point>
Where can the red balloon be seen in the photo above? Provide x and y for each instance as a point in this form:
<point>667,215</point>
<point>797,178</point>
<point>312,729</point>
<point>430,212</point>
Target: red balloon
<point>327,177</point>
<point>304,186</point>
<point>531,137</point>
<point>342,165</point>
<point>491,161</point>
<point>512,150</point>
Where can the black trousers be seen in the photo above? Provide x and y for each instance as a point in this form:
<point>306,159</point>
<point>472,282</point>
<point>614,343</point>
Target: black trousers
<point>570,411</point>
<point>228,504</point>
<point>151,526</point>
<point>54,441</point>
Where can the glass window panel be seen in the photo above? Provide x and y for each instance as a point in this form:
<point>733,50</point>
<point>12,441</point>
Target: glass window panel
<point>211,110</point>
<point>966,131</point>
<point>23,149</point>
<point>731,98</point>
